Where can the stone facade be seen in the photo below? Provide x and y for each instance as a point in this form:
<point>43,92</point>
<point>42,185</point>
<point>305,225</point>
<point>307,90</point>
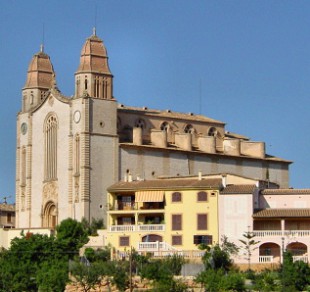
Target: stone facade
<point>70,149</point>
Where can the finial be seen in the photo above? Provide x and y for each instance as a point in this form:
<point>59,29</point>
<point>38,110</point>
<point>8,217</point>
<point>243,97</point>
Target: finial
<point>94,31</point>
<point>41,48</point>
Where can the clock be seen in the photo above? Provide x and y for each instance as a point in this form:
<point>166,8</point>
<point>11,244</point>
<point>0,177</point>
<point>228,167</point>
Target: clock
<point>23,128</point>
<point>77,116</point>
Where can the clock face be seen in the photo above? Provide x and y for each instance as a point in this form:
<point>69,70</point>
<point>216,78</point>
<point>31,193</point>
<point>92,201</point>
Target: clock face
<point>77,116</point>
<point>23,128</point>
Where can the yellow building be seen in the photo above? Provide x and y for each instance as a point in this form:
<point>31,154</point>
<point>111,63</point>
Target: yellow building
<point>160,216</point>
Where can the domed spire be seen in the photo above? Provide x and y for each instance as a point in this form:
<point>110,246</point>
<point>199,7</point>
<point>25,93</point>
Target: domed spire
<point>93,77</point>
<point>94,58</point>
<point>40,71</point>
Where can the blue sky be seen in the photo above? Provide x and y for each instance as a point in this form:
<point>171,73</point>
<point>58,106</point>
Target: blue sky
<point>246,63</point>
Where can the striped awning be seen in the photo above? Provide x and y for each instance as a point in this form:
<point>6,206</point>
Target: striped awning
<point>149,196</point>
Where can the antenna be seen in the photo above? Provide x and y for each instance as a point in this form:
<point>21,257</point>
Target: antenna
<point>42,44</point>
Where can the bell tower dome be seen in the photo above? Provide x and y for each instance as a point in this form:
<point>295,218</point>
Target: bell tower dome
<point>93,76</point>
<point>40,77</point>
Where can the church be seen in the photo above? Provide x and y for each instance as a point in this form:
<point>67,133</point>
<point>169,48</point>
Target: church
<point>71,149</point>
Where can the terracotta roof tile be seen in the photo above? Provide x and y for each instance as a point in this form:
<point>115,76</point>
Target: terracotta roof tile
<point>285,191</point>
<point>166,184</point>
<point>239,189</point>
<point>282,213</point>
<point>168,114</point>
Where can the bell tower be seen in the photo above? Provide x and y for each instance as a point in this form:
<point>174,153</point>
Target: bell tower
<point>93,77</point>
<point>40,76</point>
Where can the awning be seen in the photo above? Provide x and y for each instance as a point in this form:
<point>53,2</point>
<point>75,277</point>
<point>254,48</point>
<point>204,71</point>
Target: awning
<point>149,196</point>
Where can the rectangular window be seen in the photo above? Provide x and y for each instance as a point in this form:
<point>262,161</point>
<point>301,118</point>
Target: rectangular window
<point>202,221</point>
<point>9,218</point>
<point>124,241</point>
<point>176,222</point>
<point>176,197</point>
<point>206,239</point>
<point>176,240</point>
<point>202,197</point>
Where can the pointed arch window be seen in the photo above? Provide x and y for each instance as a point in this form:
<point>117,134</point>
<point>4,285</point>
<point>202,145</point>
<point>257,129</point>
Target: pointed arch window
<point>23,167</point>
<point>77,155</point>
<point>97,86</point>
<point>85,83</point>
<point>50,139</point>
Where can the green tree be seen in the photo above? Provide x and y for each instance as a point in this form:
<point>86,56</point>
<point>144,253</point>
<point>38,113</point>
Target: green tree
<point>92,226</point>
<point>266,281</point>
<point>88,276</point>
<point>52,276</point>
<point>219,280</point>
<point>294,276</point>
<point>248,245</point>
<point>72,235</point>
<point>219,256</point>
<point>101,254</point>
<point>21,265</point>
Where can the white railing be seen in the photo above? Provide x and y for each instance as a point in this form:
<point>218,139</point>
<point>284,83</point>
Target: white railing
<point>155,246</point>
<point>151,227</point>
<point>122,228</point>
<point>297,233</point>
<point>267,233</point>
<point>140,228</point>
<point>276,233</point>
<point>300,258</point>
<point>265,259</point>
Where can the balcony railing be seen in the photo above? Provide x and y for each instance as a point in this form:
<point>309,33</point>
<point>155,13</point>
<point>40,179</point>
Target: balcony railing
<point>151,227</point>
<point>265,259</point>
<point>122,228</point>
<point>155,246</point>
<point>134,206</point>
<point>279,233</point>
<point>140,228</point>
<point>300,258</point>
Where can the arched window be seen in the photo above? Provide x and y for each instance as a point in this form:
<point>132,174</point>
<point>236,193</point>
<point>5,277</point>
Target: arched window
<point>164,126</point>
<point>189,129</point>
<point>77,155</point>
<point>23,167</point>
<point>50,215</point>
<point>104,88</point>
<point>50,137</point>
<point>97,87</point>
<point>212,132</point>
<point>85,83</point>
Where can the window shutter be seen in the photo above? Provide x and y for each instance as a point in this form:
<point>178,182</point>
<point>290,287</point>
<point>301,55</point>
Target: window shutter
<point>202,222</point>
<point>176,197</point>
<point>202,197</point>
<point>176,222</point>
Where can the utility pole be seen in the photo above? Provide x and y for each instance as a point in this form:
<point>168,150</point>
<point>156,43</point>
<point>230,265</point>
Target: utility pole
<point>130,270</point>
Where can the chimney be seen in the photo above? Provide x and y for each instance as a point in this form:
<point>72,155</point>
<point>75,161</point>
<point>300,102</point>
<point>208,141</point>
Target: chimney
<point>224,180</point>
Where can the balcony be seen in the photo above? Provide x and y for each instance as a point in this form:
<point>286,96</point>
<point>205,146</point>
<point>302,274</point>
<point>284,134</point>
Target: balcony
<point>281,233</point>
<point>271,259</point>
<point>138,228</point>
<point>141,208</point>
